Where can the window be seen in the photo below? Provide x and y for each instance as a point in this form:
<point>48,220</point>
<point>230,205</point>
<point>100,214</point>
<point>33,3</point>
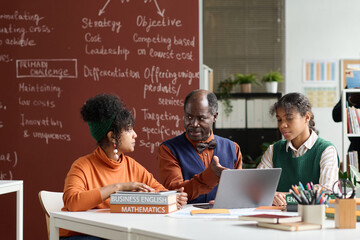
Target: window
<point>243,36</point>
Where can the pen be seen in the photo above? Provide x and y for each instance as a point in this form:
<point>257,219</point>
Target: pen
<point>312,197</point>
<point>295,196</point>
<point>319,196</point>
<point>305,200</point>
<point>312,192</point>
<point>295,189</point>
<point>299,189</point>
<point>307,196</point>
<point>308,186</point>
<point>301,186</point>
<point>315,194</point>
<point>323,199</point>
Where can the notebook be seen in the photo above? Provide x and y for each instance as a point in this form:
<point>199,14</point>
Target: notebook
<point>245,188</point>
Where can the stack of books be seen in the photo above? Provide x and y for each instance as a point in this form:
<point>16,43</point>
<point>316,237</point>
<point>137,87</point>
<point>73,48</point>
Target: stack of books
<point>353,119</point>
<point>143,202</point>
<point>353,159</point>
<point>281,222</point>
<point>330,209</point>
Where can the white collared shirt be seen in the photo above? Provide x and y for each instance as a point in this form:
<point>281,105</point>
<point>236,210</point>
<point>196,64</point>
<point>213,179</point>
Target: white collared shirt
<point>329,170</point>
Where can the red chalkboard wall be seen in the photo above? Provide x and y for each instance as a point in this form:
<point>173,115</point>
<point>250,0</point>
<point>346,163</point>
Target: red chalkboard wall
<point>54,55</point>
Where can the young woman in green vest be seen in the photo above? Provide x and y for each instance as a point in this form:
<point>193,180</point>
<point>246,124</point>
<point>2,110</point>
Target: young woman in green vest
<point>302,154</point>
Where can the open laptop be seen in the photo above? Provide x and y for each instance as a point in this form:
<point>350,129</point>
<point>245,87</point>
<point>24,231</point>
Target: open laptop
<point>245,188</point>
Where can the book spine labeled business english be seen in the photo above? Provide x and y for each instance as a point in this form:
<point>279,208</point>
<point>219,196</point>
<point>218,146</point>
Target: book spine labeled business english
<point>143,199</point>
<point>138,208</point>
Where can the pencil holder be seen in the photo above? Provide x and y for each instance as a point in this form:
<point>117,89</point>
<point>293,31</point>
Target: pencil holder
<point>312,213</point>
<point>345,213</point>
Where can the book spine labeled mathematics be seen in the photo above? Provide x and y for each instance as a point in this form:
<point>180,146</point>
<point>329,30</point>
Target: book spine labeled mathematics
<point>142,199</point>
<point>136,208</point>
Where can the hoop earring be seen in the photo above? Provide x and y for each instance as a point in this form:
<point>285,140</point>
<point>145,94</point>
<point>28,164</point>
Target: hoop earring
<point>115,153</point>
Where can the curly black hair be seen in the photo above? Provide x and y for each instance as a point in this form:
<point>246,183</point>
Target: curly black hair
<point>102,107</point>
<point>295,102</point>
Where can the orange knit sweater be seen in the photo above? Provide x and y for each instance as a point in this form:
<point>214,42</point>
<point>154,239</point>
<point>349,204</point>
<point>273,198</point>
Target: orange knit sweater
<point>91,172</point>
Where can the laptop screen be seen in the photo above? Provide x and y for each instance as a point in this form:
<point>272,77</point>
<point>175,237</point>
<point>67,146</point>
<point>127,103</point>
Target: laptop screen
<point>247,188</point>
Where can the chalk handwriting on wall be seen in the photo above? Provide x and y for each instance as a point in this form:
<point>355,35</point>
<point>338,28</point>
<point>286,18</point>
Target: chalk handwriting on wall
<point>2,111</point>
<point>20,27</point>
<point>147,52</point>
<point>9,161</point>
<point>54,55</point>
<point>46,68</point>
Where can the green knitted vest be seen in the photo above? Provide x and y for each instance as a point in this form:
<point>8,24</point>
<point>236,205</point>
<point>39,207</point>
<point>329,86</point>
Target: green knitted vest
<point>305,168</point>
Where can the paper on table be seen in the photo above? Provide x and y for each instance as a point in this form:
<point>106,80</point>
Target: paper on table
<point>234,213</point>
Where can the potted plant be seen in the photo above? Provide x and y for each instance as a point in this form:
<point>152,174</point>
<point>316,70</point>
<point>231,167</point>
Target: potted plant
<point>249,162</point>
<point>224,89</point>
<point>272,80</point>
<point>245,80</point>
<point>356,178</point>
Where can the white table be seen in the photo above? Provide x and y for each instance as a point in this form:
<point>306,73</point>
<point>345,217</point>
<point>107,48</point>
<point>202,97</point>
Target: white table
<point>108,225</point>
<point>8,186</point>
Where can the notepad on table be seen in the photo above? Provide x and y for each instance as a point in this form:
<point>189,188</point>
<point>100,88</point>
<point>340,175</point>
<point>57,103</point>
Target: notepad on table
<point>295,226</point>
<point>210,211</point>
<point>270,208</point>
